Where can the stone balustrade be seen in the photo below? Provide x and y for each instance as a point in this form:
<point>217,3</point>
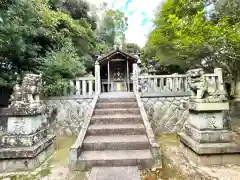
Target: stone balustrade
<point>163,83</point>
<point>83,86</point>
<point>175,83</point>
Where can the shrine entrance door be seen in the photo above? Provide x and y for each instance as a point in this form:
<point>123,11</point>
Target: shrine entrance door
<point>118,78</point>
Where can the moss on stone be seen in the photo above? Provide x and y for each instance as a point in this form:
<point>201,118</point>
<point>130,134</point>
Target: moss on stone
<point>58,159</point>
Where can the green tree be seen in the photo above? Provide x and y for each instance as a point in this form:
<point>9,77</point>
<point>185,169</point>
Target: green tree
<point>112,29</point>
<point>185,36</point>
<point>131,48</point>
<point>31,34</point>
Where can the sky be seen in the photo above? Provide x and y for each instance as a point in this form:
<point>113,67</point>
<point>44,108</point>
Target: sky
<point>140,14</point>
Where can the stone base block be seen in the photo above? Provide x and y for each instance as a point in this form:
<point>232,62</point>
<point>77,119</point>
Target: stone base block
<point>210,159</point>
<point>209,148</point>
<point>24,124</point>
<point>206,120</point>
<point>212,106</point>
<point>209,153</point>
<point>208,136</point>
<point>26,158</point>
<point>23,140</point>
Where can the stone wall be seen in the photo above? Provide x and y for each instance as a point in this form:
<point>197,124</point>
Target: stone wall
<point>66,115</point>
<point>166,114</point>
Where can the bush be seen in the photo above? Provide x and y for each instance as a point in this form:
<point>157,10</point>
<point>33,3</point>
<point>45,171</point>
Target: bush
<point>60,66</point>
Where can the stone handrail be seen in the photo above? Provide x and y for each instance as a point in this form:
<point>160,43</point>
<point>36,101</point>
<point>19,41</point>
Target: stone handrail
<point>163,83</point>
<point>82,86</point>
<point>75,150</point>
<point>154,146</point>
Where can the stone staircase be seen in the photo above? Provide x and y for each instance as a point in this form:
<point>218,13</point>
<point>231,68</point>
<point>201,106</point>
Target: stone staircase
<point>116,136</point>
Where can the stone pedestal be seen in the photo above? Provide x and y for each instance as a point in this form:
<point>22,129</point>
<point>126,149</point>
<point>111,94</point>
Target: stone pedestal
<point>206,139</point>
<point>25,144</point>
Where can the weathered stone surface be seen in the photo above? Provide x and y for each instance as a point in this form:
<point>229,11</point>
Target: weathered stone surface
<point>28,163</point>
<point>208,136</point>
<point>210,159</point>
<point>205,89</point>
<point>26,143</point>
<point>115,173</point>
<point>166,113</point>
<point>206,120</point>
<point>110,158</point>
<point>114,144</point>
<point>25,99</point>
<point>23,140</point>
<point>69,116</point>
<point>208,106</point>
<point>24,125</point>
<point>26,152</point>
<point>209,148</point>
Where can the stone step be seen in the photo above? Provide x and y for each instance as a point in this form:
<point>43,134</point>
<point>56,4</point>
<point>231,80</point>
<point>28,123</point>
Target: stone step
<point>116,142</point>
<point>104,100</point>
<point>89,159</point>
<point>125,129</point>
<point>116,111</point>
<point>115,173</point>
<point>116,119</point>
<point>116,105</point>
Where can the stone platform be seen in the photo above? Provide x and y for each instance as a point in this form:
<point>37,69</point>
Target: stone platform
<point>26,158</point>
<point>205,154</point>
<point>115,173</point>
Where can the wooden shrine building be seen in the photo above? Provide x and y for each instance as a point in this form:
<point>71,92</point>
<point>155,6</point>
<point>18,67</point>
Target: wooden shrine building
<point>116,70</point>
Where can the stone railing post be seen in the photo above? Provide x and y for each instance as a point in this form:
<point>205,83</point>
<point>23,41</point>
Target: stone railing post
<point>72,88</point>
<point>84,87</point>
<point>78,90</point>
<point>220,84</point>
<point>135,77</point>
<point>97,78</point>
<point>90,85</point>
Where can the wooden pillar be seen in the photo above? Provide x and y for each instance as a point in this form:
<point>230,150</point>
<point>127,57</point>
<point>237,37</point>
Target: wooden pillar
<point>128,86</point>
<point>108,76</point>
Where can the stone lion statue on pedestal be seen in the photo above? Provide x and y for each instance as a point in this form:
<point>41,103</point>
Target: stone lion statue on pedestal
<point>204,89</point>
<point>197,83</point>
<point>26,96</point>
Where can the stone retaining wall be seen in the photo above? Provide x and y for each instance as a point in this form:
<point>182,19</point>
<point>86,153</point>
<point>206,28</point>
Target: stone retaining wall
<point>166,114</point>
<point>66,115</point>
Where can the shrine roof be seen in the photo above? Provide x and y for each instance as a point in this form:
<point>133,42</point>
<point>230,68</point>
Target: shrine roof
<point>119,53</point>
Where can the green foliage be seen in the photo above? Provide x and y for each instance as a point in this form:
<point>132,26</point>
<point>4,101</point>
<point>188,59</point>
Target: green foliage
<point>57,38</point>
<point>111,30</point>
<point>184,36</point>
<point>59,67</point>
<point>131,48</point>
<point>36,37</point>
